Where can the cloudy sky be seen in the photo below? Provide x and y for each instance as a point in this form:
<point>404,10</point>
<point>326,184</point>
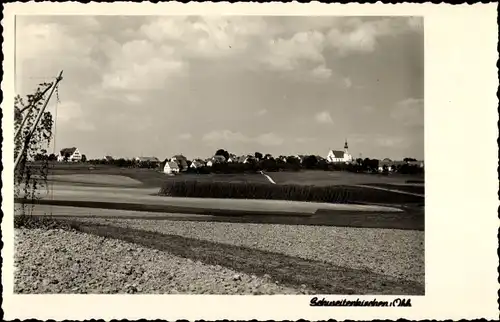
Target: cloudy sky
<point>151,85</point>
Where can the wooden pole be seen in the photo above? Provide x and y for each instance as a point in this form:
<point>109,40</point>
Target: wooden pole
<point>39,116</point>
<point>30,107</point>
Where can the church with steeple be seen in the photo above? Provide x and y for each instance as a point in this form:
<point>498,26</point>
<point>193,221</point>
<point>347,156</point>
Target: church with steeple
<point>336,156</point>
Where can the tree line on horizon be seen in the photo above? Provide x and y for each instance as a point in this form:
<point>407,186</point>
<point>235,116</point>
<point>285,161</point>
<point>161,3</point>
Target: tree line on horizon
<point>262,162</point>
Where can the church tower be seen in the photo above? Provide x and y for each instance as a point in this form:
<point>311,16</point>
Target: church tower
<point>347,156</point>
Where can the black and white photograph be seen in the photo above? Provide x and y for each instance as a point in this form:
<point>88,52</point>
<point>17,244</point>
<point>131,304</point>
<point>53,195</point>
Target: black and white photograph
<point>222,154</point>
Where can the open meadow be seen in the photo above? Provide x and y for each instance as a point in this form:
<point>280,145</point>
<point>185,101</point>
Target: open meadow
<point>156,178</point>
<point>92,174</point>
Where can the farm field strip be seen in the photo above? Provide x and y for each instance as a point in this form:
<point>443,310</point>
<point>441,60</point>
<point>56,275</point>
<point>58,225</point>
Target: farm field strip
<point>360,219</point>
<point>336,194</point>
<point>134,195</point>
<point>111,179</point>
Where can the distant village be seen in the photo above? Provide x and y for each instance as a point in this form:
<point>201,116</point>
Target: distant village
<point>335,159</point>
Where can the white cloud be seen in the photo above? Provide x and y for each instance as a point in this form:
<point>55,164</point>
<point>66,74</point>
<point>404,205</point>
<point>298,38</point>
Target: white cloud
<point>367,109</point>
<point>43,48</point>
<point>41,41</point>
<point>304,140</point>
<point>269,139</point>
<point>361,39</point>
<point>321,73</point>
<point>266,139</point>
<point>389,141</point>
<point>324,117</point>
<point>85,126</point>
<point>185,136</point>
<point>302,53</point>
<point>409,112</point>
<point>362,36</point>
<point>347,82</point>
<point>206,37</point>
<point>140,65</point>
<point>224,135</point>
<point>71,115</point>
<point>262,112</point>
<point>68,111</point>
<point>133,98</point>
<point>166,28</point>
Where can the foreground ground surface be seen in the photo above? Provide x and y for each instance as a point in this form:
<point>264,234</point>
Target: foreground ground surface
<point>217,258</point>
<point>50,261</point>
<point>302,250</point>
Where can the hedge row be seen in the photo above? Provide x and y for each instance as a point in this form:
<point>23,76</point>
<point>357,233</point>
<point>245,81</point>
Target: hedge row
<point>328,194</point>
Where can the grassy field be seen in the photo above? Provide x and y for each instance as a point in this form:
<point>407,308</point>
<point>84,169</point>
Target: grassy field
<point>342,194</point>
<point>80,174</point>
<point>147,177</point>
<point>105,175</point>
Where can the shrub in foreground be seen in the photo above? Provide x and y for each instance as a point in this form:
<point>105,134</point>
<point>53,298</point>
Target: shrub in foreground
<point>328,194</point>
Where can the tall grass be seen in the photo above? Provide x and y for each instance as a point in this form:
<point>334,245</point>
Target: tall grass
<point>328,194</point>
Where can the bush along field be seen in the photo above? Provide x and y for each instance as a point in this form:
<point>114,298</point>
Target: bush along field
<point>329,194</point>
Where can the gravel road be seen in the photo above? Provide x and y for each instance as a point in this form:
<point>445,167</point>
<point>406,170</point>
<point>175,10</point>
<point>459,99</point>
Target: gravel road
<point>397,253</point>
<point>58,261</point>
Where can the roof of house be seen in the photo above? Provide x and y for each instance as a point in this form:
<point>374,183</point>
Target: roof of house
<point>220,158</point>
<point>68,150</point>
<point>337,153</point>
<point>172,165</point>
<point>180,159</point>
<point>198,163</point>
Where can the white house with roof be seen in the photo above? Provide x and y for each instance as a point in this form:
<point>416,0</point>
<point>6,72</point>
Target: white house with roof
<point>232,158</point>
<point>171,167</point>
<point>216,159</point>
<point>197,163</point>
<point>337,156</point>
<point>181,161</point>
<point>69,154</point>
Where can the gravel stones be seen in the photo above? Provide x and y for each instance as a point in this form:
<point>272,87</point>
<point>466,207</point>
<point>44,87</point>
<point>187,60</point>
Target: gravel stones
<point>58,261</point>
<point>397,253</point>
